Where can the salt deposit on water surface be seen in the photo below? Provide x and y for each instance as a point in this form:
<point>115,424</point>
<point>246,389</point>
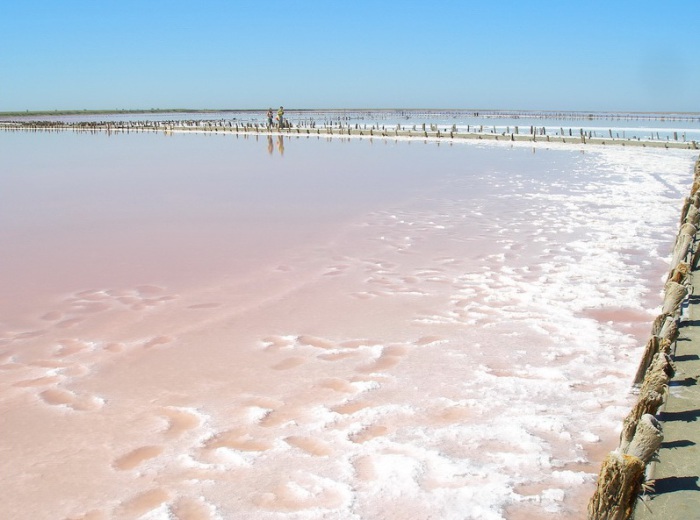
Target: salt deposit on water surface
<point>199,327</point>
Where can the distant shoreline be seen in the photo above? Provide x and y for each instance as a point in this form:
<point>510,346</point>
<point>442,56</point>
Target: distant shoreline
<point>32,113</point>
<point>475,112</point>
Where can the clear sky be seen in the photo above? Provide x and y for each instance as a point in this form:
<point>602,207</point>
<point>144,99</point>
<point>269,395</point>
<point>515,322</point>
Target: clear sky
<point>637,55</point>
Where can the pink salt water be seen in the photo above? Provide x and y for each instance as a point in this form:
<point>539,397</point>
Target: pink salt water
<point>204,327</point>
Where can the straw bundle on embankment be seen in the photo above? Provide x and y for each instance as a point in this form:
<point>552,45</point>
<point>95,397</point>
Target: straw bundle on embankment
<point>622,473</point>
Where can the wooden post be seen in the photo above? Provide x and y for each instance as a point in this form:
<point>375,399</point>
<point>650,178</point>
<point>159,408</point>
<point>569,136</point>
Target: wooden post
<point>684,211</point>
<point>659,374</point>
<point>668,334</point>
<point>650,350</point>
<point>647,439</point>
<point>695,188</point>
<point>679,274</point>
<point>675,293</point>
<point>648,403</point>
<point>620,479</point>
<point>619,483</point>
<point>681,248</point>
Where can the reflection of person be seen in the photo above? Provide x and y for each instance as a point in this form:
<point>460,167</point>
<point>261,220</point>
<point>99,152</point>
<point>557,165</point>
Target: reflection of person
<point>269,117</point>
<point>270,146</point>
<point>280,144</point>
<point>280,117</point>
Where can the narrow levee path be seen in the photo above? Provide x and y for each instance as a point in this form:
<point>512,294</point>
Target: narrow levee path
<point>432,132</point>
<point>674,485</point>
<point>654,472</point>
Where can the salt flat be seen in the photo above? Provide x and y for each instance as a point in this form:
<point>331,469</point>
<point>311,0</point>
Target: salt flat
<point>201,326</point>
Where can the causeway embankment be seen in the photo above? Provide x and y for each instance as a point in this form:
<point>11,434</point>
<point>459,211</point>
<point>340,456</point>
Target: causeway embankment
<point>655,470</point>
<point>424,131</point>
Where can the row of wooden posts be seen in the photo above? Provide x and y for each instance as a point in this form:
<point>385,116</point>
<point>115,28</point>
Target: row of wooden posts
<point>622,474</point>
<point>430,131</point>
<point>229,124</point>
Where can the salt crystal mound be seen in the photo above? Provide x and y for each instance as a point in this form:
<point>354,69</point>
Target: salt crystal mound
<point>462,351</point>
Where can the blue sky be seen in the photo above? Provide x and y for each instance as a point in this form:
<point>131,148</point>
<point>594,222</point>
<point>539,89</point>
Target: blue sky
<point>550,55</point>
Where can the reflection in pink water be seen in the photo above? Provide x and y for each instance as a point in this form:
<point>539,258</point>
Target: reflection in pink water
<point>194,327</point>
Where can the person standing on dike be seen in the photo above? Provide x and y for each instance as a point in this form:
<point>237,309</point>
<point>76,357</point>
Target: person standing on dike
<point>269,117</point>
<point>280,117</point>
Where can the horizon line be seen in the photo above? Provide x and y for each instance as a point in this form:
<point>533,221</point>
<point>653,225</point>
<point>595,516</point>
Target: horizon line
<point>319,109</point>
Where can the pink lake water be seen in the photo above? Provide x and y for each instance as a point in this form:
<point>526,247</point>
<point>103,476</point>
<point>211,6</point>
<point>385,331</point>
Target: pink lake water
<point>219,327</point>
